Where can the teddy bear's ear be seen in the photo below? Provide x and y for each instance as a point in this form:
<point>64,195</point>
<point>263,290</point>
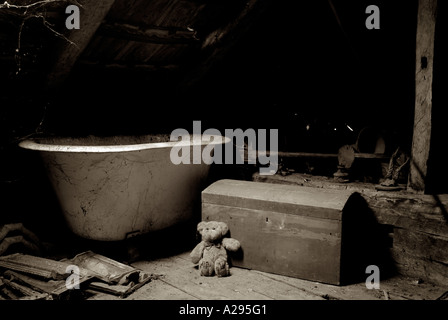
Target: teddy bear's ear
<point>224,228</point>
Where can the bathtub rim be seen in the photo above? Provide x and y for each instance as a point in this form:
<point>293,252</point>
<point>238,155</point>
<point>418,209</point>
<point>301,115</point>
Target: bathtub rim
<point>32,144</point>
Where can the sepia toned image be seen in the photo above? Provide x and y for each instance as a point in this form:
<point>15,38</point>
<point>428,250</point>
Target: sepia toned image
<point>223,154</point>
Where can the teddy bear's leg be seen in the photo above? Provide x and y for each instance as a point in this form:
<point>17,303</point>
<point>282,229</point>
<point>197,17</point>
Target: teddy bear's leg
<point>221,267</point>
<point>206,267</point>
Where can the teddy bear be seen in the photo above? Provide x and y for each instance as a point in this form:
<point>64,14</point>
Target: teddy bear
<point>211,252</point>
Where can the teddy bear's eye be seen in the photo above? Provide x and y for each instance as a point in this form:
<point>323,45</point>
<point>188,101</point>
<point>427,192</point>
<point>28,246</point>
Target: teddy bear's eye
<point>213,228</point>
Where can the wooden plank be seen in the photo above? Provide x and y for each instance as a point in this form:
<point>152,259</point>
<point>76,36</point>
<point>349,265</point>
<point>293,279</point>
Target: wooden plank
<point>422,225</point>
<point>92,14</point>
<point>429,247</point>
<point>277,286</point>
<point>162,35</point>
<point>55,288</point>
<point>220,41</point>
<point>105,269</point>
<point>183,276</point>
<point>421,141</point>
<point>9,293</point>
<point>22,289</point>
<point>284,154</point>
<point>38,266</point>
<point>328,292</point>
<point>308,180</point>
<point>420,254</point>
<point>242,284</point>
<point>126,68</point>
<point>121,291</point>
<point>157,12</point>
<point>27,293</point>
<point>176,279</point>
<point>397,287</point>
<point>157,290</point>
<point>419,268</point>
<point>420,214</point>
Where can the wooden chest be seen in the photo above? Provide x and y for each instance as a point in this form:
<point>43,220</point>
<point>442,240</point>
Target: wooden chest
<point>283,229</point>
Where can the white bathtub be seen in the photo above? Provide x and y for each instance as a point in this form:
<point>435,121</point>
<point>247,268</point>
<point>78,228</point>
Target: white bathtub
<point>112,188</point>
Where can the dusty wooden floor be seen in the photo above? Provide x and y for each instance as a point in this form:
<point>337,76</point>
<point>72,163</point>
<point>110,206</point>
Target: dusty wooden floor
<point>176,278</point>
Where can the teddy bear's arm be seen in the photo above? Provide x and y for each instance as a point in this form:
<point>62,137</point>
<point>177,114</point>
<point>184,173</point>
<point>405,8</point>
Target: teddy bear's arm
<point>196,254</point>
<point>231,244</point>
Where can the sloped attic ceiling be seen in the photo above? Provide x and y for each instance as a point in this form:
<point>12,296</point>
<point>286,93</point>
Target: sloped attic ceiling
<point>140,35</point>
<point>235,57</point>
<point>123,50</point>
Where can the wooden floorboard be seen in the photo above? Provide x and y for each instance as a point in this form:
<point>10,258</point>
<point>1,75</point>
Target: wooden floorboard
<point>182,275</point>
<point>177,278</point>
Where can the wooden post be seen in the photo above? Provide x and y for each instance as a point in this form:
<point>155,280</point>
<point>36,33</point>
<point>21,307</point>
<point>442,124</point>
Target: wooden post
<point>421,141</point>
<point>92,14</point>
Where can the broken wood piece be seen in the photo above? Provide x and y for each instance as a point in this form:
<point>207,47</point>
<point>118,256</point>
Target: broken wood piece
<point>7,228</point>
<point>27,293</point>
<point>120,290</point>
<point>40,296</point>
<point>9,294</point>
<point>26,237</point>
<point>106,269</point>
<point>52,287</point>
<point>116,289</point>
<point>18,287</point>
<point>42,267</point>
<point>120,279</point>
<point>9,241</point>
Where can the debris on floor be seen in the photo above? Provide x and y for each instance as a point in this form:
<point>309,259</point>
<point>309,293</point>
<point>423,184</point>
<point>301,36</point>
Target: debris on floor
<point>27,277</point>
<point>115,277</point>
<point>15,233</point>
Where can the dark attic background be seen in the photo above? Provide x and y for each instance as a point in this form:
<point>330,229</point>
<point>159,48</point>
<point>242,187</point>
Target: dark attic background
<point>310,69</point>
<point>286,67</point>
<point>283,66</point>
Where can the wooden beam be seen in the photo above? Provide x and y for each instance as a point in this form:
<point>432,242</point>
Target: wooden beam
<point>92,14</point>
<point>162,35</point>
<point>421,142</point>
<point>288,154</point>
<point>127,67</point>
<point>220,41</point>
